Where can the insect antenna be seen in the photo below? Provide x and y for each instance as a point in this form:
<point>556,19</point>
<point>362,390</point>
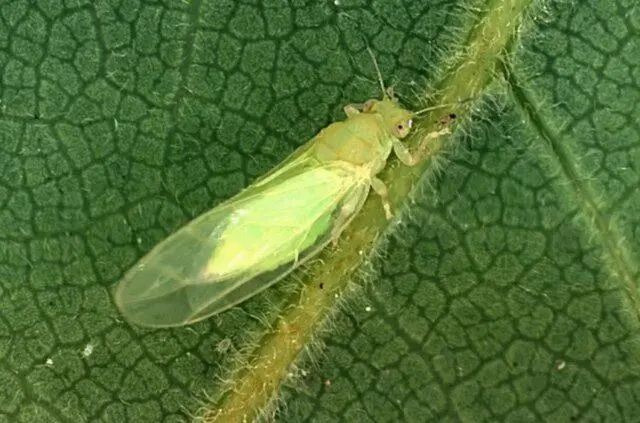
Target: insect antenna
<point>375,64</point>
<point>442,106</point>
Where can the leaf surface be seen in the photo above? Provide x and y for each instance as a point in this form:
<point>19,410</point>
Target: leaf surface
<point>507,293</point>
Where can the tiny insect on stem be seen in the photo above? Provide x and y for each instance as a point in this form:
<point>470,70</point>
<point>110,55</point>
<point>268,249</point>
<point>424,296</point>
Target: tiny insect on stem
<point>276,224</point>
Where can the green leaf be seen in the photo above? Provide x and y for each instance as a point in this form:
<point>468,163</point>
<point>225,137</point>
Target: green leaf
<point>505,291</point>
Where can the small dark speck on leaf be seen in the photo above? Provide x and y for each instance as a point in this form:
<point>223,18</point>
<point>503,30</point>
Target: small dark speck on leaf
<point>448,119</point>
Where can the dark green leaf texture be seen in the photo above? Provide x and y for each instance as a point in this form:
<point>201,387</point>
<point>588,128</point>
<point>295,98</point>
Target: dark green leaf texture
<point>509,293</point>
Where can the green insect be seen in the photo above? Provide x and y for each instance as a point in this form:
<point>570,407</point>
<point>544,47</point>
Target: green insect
<point>254,239</point>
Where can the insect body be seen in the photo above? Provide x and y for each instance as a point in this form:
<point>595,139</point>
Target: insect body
<point>262,234</point>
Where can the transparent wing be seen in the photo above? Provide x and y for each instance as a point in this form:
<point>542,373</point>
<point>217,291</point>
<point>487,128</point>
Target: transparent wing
<point>242,246</point>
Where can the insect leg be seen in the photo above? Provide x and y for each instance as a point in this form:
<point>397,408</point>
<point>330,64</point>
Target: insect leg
<point>355,108</point>
<point>352,110</point>
<point>381,189</point>
<point>405,156</point>
<point>345,213</point>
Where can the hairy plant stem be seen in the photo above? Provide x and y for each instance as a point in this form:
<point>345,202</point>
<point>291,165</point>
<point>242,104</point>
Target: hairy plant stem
<point>468,73</point>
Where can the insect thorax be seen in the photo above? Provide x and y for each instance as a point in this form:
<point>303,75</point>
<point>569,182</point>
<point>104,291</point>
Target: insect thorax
<point>360,140</point>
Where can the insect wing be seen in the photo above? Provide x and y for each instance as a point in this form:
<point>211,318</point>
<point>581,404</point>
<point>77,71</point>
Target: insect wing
<point>242,246</point>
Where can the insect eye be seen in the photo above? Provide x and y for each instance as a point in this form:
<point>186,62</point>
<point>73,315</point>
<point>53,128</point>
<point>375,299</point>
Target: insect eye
<point>402,128</point>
